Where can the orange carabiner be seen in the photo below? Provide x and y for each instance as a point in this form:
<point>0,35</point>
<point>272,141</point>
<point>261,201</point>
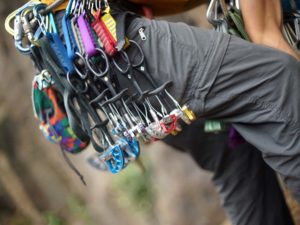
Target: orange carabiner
<point>61,6</point>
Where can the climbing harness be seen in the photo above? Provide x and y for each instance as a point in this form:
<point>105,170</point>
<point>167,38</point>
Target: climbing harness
<point>82,55</point>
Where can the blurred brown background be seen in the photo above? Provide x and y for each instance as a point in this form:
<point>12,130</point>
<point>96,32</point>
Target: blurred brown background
<point>37,187</point>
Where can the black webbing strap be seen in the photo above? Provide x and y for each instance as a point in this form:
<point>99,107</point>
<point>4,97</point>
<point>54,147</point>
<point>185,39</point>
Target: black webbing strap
<point>81,117</point>
<point>122,20</point>
<point>51,64</point>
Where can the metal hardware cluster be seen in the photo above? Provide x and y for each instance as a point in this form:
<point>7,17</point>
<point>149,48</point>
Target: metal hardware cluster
<point>80,56</point>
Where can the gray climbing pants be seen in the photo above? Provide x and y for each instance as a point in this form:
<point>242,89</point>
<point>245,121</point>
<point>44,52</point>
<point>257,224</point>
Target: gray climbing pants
<point>255,88</point>
<point>249,190</point>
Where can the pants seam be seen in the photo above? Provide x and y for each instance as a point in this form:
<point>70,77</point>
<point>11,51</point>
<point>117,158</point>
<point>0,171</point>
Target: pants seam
<point>278,112</point>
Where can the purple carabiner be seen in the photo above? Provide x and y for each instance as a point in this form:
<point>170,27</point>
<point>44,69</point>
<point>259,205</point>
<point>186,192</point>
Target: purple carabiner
<point>87,37</point>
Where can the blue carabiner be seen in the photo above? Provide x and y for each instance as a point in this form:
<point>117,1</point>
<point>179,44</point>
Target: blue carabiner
<point>69,38</point>
<point>26,50</point>
<point>117,162</point>
<point>134,146</point>
<point>131,149</point>
<point>68,34</point>
<point>22,49</point>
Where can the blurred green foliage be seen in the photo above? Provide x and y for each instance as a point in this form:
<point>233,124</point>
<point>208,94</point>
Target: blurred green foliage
<point>53,219</point>
<point>79,210</point>
<point>133,189</point>
<point>76,210</point>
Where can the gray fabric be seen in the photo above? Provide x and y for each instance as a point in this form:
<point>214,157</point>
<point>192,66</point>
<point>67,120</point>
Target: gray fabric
<point>257,89</point>
<point>179,60</point>
<point>249,190</point>
<point>254,87</point>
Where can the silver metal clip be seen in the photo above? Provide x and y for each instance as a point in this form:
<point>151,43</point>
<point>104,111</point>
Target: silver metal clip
<point>142,34</point>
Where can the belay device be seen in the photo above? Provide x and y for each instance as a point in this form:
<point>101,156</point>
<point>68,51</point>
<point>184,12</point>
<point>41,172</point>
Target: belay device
<point>80,54</point>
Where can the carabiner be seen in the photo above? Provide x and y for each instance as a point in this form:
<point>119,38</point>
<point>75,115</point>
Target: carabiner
<point>114,159</point>
<point>80,90</point>
<point>26,50</point>
<point>168,123</point>
<point>97,163</point>
<point>88,61</point>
